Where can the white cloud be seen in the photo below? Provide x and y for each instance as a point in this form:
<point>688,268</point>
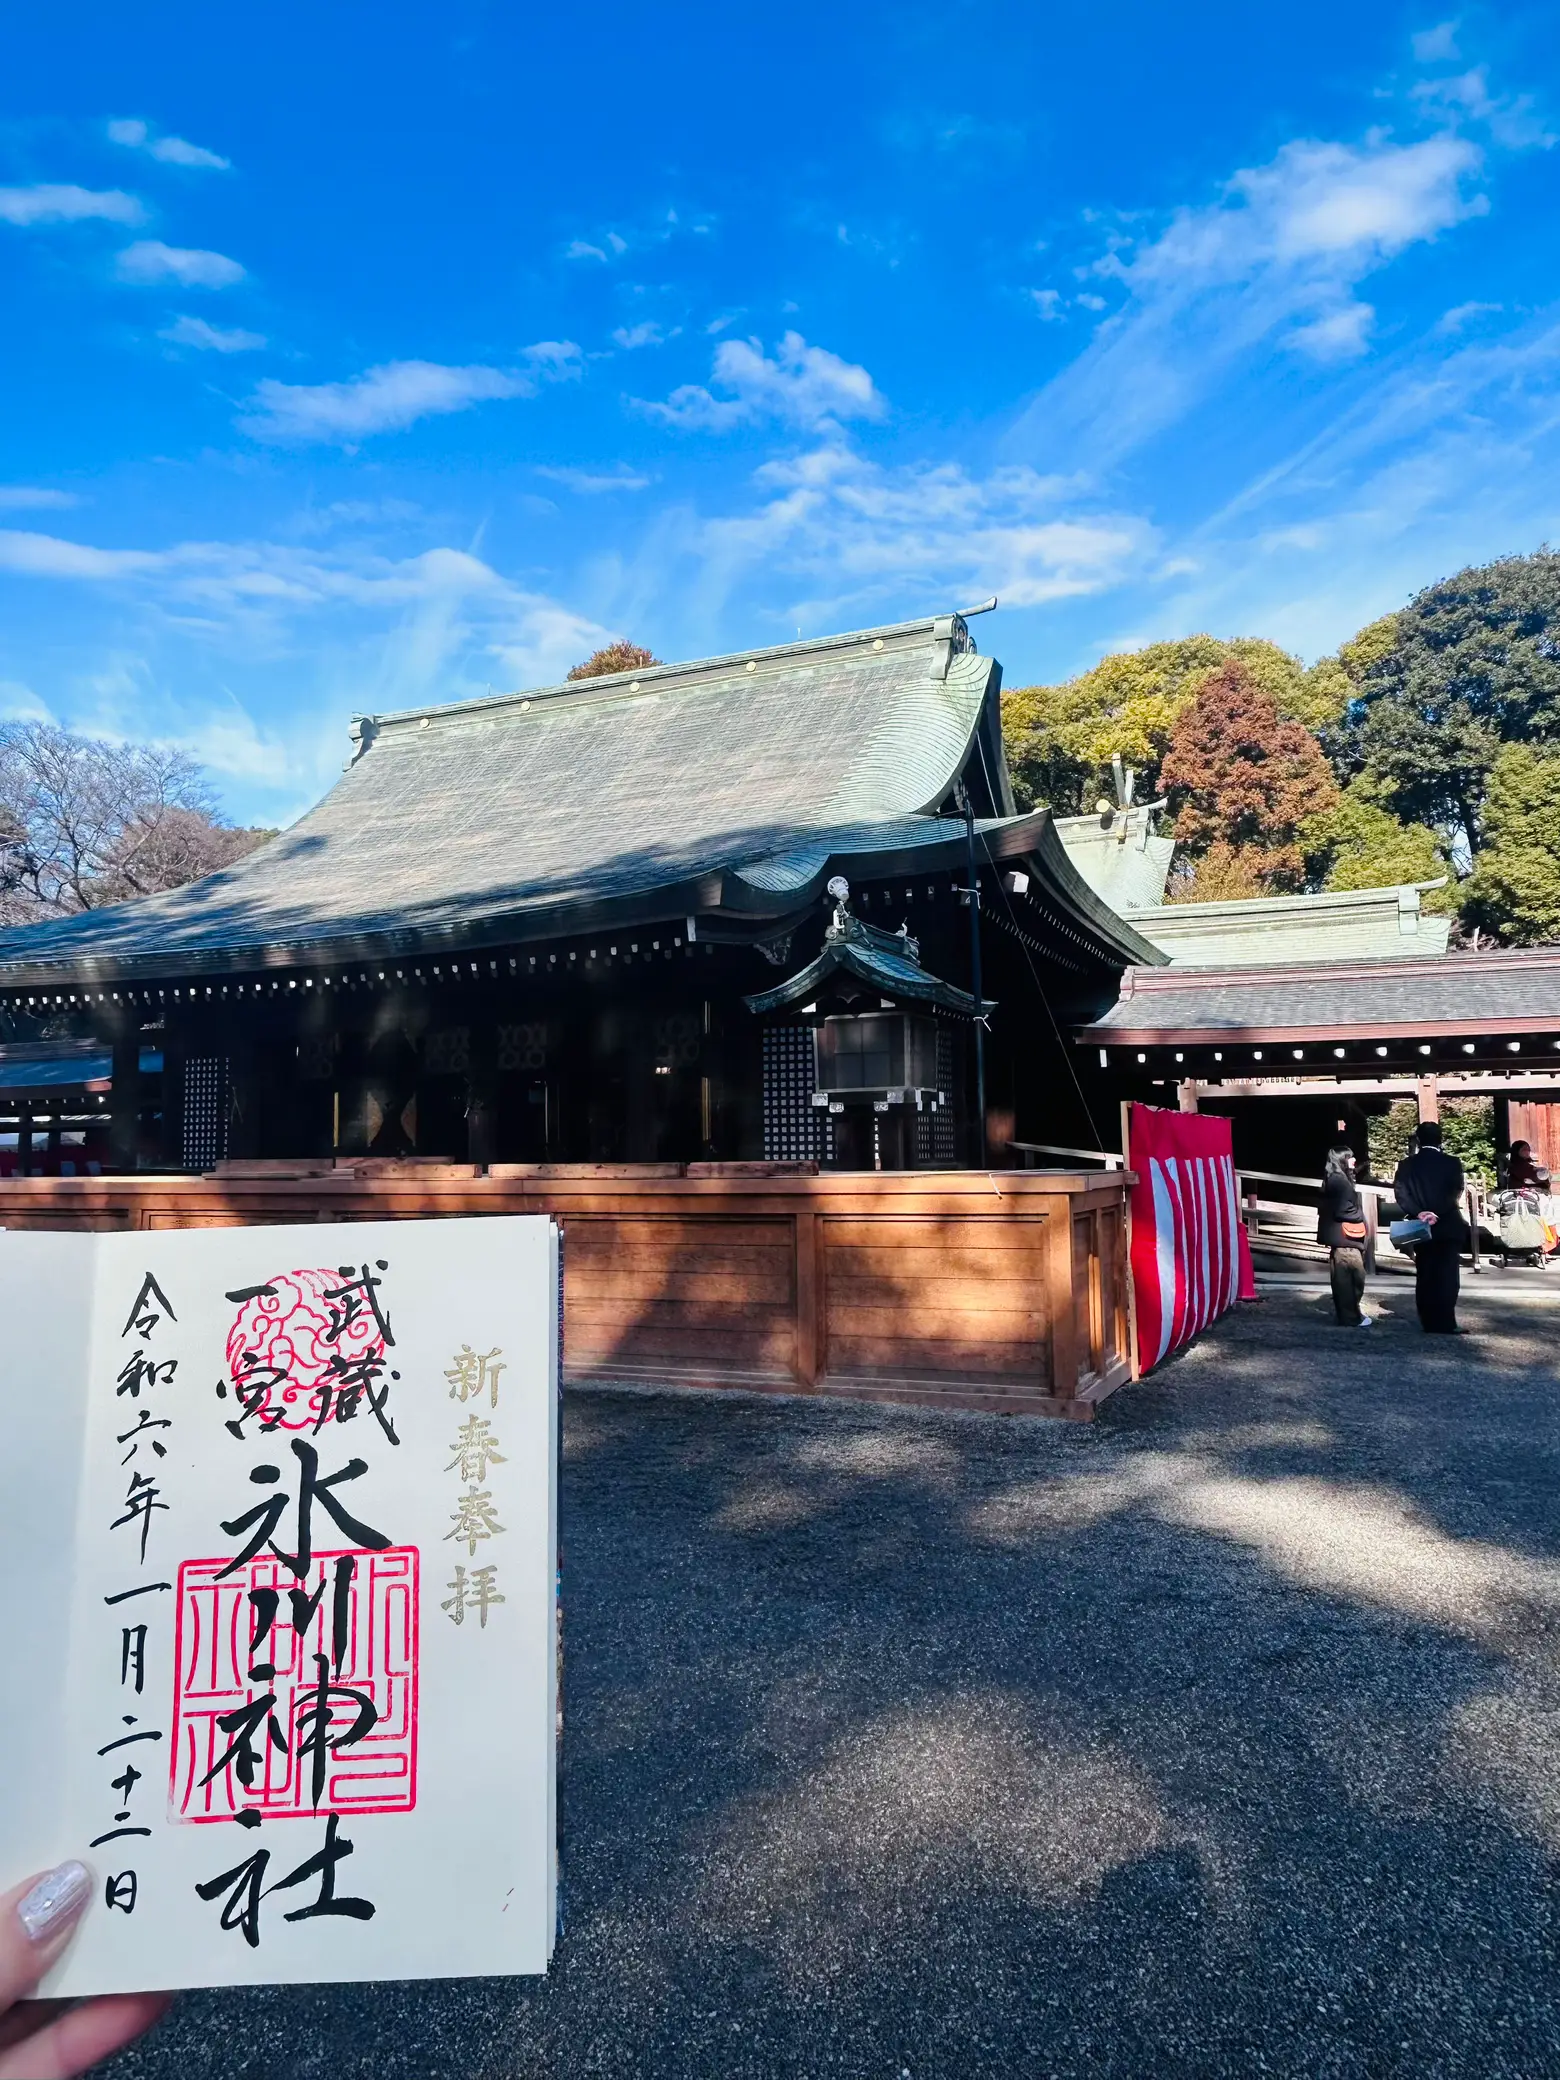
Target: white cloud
<point>559,360</point>
<point>17,498</point>
<point>1048,302</point>
<point>1463,314</point>
<point>1316,205</point>
<point>646,334</point>
<point>862,534</point>
<point>50,202</point>
<point>1275,257</point>
<point>802,386</point>
<point>46,556</point>
<point>172,151</point>
<point>150,262</point>
<point>1089,302</point>
<point>1512,120</point>
<point>383,400</point>
<point>1340,335</point>
<point>592,482</point>
<point>1435,46</point>
<point>215,339</point>
<point>18,703</point>
<point>612,245</point>
<point>1448,461</point>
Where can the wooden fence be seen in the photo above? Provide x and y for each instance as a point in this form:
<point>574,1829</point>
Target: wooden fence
<point>1001,1291</point>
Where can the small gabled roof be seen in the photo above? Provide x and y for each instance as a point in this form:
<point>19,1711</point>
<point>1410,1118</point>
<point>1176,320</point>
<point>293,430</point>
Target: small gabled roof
<point>886,961</point>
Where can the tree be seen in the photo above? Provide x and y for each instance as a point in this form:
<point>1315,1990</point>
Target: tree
<point>1361,844</point>
<point>616,657</point>
<point>1245,780</point>
<point>84,822</point>
<point>1473,664</point>
<point>1060,739</point>
<point>1515,889</point>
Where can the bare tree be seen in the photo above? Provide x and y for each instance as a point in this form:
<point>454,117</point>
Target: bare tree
<point>84,822</point>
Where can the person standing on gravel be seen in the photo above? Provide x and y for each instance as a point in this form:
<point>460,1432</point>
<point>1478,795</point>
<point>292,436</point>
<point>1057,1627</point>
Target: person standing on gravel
<point>1342,1228</point>
<point>1429,1187</point>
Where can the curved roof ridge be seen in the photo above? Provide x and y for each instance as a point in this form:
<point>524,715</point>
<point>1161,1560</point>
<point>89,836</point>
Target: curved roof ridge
<point>657,678</point>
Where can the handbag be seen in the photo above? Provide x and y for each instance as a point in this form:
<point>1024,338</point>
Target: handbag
<point>1409,1234</point>
<point>1356,1231</point>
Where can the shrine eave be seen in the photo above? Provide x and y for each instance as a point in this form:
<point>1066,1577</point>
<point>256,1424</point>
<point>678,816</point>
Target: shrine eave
<point>728,904</point>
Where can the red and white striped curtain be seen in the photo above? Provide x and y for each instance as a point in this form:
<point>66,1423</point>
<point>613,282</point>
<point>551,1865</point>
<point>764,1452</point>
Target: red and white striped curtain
<point>1190,1256</point>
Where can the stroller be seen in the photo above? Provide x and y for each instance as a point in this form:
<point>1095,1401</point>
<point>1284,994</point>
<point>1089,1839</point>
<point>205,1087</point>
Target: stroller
<point>1520,1224</point>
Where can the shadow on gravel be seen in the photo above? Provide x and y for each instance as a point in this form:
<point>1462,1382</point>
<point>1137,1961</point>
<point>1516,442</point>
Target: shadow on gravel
<point>1216,1739</point>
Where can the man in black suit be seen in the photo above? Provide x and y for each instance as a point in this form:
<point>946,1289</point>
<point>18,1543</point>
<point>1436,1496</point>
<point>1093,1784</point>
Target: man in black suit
<point>1429,1186</point>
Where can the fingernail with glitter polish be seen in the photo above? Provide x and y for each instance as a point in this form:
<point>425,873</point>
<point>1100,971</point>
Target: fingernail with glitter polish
<point>55,1901</point>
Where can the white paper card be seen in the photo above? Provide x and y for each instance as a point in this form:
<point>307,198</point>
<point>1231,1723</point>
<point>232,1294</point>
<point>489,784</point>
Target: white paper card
<point>278,1563</point>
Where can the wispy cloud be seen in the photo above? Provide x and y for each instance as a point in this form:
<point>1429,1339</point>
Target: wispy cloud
<point>213,339</point>
<point>1512,120</point>
<point>801,386</point>
<point>396,395</point>
<point>856,533</point>
<point>172,151</point>
<point>18,703</point>
<point>48,556</point>
<point>657,228</point>
<point>54,202</point>
<point>1461,315</point>
<point>1435,46</point>
<point>1339,335</point>
<point>20,498</point>
<point>612,246</point>
<point>1446,461</point>
<point>149,264</point>
<point>646,334</point>
<point>1276,256</point>
<point>593,482</point>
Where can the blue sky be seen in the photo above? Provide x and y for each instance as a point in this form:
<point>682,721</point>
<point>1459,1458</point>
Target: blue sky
<point>361,356</point>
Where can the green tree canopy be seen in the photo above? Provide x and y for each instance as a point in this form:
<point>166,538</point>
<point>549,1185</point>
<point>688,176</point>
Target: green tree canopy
<point>1515,889</point>
<point>1060,739</point>
<point>1472,664</point>
<point>1358,843</point>
<point>1247,781</point>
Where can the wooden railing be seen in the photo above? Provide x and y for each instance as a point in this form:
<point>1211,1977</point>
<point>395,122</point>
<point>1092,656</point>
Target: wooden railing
<point>993,1290</point>
<point>1475,1210</point>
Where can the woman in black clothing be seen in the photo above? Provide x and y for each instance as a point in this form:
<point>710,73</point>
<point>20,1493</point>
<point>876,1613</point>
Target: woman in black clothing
<point>1342,1227</point>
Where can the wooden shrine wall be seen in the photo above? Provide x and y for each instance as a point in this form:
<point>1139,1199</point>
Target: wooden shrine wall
<point>998,1291</point>
<point>1539,1126</point>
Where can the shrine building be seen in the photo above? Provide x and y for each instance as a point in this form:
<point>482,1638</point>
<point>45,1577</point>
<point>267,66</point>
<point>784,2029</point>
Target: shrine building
<point>593,923</point>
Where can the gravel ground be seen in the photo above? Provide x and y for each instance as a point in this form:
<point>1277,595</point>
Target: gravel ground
<point>1222,1737</point>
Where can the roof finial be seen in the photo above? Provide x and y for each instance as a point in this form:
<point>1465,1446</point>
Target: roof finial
<point>839,888</point>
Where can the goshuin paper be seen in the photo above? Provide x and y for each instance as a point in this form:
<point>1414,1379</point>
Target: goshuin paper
<point>278,1562</point>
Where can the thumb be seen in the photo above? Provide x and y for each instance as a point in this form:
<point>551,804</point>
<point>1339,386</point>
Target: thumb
<point>36,1917</point>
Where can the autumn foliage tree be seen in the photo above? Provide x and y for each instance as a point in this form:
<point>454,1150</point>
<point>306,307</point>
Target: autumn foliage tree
<point>1245,783</point>
<point>1060,739</point>
<point>615,657</point>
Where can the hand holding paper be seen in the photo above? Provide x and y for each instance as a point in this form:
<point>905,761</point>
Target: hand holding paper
<point>37,2040</point>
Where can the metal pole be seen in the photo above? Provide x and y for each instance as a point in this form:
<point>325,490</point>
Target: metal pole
<point>980,1029</point>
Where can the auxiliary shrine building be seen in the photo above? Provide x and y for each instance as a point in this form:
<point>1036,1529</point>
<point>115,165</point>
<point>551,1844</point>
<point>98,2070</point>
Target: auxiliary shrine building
<point>594,923</point>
